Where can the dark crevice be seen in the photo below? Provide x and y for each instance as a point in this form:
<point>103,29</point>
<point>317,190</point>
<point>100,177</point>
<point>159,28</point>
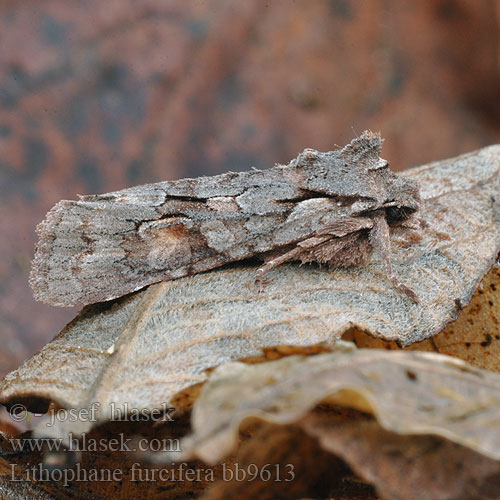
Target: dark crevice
<point>306,194</point>
<point>169,197</point>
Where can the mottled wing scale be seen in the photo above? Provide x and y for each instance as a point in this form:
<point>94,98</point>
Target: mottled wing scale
<point>104,246</point>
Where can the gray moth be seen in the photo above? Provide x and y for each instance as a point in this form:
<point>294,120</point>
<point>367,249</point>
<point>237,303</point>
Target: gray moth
<point>331,208</point>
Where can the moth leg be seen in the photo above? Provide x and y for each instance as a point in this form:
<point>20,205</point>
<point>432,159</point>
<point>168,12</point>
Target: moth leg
<point>277,261</point>
<point>309,249</point>
<point>380,239</point>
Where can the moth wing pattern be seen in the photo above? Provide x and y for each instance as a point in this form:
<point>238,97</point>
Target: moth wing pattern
<point>101,247</point>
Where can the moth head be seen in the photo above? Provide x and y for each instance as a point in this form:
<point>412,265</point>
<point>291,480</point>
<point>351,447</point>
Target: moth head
<point>364,151</point>
<point>403,200</point>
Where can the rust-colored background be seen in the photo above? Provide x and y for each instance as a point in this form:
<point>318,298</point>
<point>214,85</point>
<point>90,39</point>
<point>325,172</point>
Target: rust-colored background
<point>100,95</point>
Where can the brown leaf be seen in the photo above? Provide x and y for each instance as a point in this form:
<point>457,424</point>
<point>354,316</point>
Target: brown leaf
<point>408,467</point>
<point>15,486</point>
<point>473,337</point>
<point>273,462</point>
<point>407,392</point>
<point>143,349</point>
<point>283,462</point>
<point>401,467</point>
<point>103,467</point>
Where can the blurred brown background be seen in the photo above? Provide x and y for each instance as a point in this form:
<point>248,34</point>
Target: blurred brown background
<point>100,95</point>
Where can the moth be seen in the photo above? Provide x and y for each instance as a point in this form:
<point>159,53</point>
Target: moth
<point>331,208</point>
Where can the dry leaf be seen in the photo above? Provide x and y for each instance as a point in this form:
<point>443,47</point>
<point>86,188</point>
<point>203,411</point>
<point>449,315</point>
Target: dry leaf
<point>408,392</point>
<point>24,490</point>
<point>143,349</point>
<point>474,337</point>
<point>400,467</point>
<point>288,464</point>
<point>15,486</point>
<point>68,475</point>
<point>408,467</point>
<point>275,452</point>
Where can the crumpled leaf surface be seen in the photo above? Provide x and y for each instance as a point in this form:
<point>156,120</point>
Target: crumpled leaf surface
<point>474,337</point>
<point>317,473</point>
<point>144,348</point>
<point>408,392</point>
<point>408,467</point>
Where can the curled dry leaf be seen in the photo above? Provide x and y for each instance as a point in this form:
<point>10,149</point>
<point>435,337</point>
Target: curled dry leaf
<point>362,453</point>
<point>292,464</point>
<point>408,392</point>
<point>407,467</point>
<point>142,349</point>
<point>474,337</point>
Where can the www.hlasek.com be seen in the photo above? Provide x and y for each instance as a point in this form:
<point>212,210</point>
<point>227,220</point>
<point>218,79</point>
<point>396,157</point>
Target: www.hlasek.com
<point>83,443</point>
<point>177,472</point>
